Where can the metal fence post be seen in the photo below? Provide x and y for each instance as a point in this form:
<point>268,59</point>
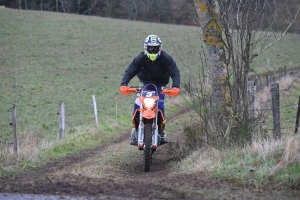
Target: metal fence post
<point>62,121</point>
<point>95,110</point>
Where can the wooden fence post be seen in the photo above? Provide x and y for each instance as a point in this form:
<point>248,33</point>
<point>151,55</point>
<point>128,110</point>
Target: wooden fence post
<point>116,98</point>
<point>297,116</point>
<point>251,96</point>
<point>261,83</point>
<point>276,110</point>
<point>285,71</point>
<point>280,73</point>
<point>62,121</point>
<point>14,125</point>
<point>95,110</point>
<point>293,71</point>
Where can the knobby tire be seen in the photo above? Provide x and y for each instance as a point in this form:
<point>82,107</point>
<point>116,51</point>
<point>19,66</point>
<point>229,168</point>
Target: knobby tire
<point>148,146</point>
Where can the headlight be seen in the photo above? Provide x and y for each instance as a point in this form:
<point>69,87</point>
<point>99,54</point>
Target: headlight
<point>149,102</point>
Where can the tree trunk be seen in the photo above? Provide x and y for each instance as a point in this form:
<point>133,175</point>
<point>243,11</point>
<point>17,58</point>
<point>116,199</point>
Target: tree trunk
<point>209,17</point>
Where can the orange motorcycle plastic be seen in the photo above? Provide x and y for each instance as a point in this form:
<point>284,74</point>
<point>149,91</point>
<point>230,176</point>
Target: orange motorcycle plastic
<point>148,121</point>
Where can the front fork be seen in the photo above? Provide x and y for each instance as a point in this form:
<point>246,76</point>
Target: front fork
<point>154,131</point>
<point>141,130</point>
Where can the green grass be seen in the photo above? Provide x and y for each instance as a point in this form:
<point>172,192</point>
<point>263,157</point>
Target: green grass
<point>288,112</point>
<point>288,105</point>
<point>290,175</point>
<point>240,166</point>
<point>49,57</point>
<point>281,54</point>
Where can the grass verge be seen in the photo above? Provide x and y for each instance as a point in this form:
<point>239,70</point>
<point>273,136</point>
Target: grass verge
<point>263,162</point>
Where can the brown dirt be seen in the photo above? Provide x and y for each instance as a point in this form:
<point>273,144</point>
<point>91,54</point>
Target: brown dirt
<point>115,171</point>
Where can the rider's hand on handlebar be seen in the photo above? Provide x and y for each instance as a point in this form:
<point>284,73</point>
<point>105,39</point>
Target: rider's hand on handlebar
<point>127,90</point>
<point>171,92</point>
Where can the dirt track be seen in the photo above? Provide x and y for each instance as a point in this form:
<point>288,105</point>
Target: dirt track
<point>115,171</point>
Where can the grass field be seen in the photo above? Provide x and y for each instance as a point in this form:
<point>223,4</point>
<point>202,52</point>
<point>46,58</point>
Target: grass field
<point>48,57</point>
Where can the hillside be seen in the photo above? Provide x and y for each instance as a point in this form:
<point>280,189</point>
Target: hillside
<point>48,58</point>
<point>52,57</point>
<point>167,11</point>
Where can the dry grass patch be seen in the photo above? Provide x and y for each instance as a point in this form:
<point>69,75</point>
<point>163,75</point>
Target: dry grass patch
<point>29,147</point>
<point>33,150</point>
<point>259,161</point>
<point>290,156</point>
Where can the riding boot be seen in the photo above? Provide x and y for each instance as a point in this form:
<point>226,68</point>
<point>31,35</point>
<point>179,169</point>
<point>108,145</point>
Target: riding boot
<point>163,134</point>
<point>133,139</point>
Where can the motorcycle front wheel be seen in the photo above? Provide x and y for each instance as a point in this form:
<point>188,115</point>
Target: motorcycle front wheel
<point>148,146</point>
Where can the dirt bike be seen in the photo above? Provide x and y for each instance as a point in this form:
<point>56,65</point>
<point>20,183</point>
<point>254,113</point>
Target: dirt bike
<point>148,121</point>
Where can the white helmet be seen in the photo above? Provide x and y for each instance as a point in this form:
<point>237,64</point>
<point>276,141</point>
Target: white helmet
<point>152,46</point>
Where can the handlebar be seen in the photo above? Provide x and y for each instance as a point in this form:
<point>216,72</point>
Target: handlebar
<point>133,89</point>
<point>140,88</point>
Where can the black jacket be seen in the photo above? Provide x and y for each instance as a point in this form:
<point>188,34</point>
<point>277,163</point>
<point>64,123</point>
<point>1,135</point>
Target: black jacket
<point>157,72</point>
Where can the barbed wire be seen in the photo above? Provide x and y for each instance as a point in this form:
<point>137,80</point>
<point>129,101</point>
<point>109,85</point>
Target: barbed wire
<point>263,101</point>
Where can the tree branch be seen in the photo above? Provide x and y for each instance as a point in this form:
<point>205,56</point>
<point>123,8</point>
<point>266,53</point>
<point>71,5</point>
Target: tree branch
<point>281,36</point>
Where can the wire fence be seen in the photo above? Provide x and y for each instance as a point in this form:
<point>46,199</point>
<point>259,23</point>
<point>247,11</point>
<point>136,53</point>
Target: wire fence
<point>261,85</point>
<point>265,79</point>
<point>265,99</point>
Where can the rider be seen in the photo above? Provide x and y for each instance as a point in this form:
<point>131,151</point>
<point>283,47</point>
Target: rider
<point>152,66</point>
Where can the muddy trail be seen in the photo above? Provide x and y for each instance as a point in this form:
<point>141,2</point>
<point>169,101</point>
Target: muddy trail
<point>115,171</point>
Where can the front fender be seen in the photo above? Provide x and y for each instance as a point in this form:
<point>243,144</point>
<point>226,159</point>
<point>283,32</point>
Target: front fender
<point>148,114</point>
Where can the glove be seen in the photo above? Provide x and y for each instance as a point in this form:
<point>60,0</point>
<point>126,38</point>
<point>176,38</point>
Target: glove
<point>127,90</point>
<point>171,92</point>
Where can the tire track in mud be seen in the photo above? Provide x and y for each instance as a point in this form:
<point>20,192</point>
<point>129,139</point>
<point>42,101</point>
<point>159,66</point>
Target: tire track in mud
<point>44,180</point>
<point>83,155</point>
<point>115,171</point>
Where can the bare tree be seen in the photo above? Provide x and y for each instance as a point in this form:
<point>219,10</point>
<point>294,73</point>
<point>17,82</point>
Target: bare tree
<point>132,8</point>
<point>210,22</point>
<point>65,5</point>
<point>162,7</point>
<point>235,32</point>
<point>146,9</point>
<point>110,4</point>
<point>91,6</point>
<point>79,6</point>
